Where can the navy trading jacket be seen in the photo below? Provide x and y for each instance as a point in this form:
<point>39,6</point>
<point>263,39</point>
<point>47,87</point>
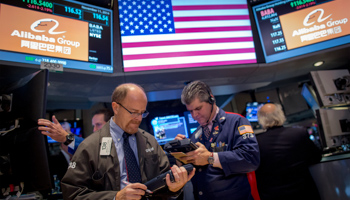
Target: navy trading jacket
<point>233,139</point>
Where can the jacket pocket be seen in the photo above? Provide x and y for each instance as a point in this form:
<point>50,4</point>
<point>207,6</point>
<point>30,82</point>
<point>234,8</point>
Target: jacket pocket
<point>98,180</point>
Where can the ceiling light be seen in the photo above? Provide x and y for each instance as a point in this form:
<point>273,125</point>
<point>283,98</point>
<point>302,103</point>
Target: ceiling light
<point>319,63</point>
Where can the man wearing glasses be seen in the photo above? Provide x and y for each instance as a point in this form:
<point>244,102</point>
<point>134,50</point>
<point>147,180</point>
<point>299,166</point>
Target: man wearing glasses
<point>113,162</point>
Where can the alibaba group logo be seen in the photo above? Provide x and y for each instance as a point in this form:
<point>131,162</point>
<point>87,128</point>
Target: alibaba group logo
<point>311,17</point>
<point>42,25</point>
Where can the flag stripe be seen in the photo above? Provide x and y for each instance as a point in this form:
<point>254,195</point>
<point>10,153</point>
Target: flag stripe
<point>209,7</point>
<point>185,36</point>
<point>208,2</point>
<point>212,29</point>
<point>197,13</point>
<point>187,47</point>
<point>188,53</point>
<point>207,24</point>
<point>182,42</point>
<point>211,18</point>
<point>189,59</point>
<point>174,66</point>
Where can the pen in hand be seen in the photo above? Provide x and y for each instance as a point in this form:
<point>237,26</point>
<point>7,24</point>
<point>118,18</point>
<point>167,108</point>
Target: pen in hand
<point>128,183</point>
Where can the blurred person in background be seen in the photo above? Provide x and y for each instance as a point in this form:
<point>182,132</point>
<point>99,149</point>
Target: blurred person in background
<point>286,154</point>
<point>61,133</point>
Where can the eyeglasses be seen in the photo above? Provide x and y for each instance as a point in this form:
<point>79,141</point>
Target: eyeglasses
<point>135,114</point>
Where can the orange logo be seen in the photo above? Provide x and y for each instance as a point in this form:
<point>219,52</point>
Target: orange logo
<point>44,23</point>
<point>310,18</point>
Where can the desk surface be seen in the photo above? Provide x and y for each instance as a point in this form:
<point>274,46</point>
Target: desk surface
<point>336,157</point>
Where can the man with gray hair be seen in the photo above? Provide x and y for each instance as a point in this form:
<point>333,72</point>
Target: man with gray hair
<point>227,147</point>
<point>286,154</point>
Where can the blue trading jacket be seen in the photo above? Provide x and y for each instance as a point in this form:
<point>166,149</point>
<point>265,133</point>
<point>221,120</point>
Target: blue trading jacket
<point>238,152</point>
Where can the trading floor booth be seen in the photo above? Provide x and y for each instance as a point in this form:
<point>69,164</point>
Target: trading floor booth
<point>332,174</point>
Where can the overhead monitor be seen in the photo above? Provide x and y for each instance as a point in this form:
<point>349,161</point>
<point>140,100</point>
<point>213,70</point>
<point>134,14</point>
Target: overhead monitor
<point>289,28</point>
<point>292,99</point>
<point>165,34</point>
<point>71,33</point>
<point>165,128</point>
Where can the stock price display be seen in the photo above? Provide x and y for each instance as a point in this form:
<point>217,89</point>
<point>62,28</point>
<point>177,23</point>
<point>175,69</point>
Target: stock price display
<point>97,18</point>
<point>273,35</point>
<point>68,11</point>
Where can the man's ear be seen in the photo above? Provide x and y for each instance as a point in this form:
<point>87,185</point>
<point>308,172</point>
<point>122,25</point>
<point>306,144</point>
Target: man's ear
<point>115,107</point>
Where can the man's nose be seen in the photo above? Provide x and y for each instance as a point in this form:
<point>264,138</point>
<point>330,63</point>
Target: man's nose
<point>194,113</point>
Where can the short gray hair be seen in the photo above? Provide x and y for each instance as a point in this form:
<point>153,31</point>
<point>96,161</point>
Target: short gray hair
<point>196,89</point>
<point>271,119</point>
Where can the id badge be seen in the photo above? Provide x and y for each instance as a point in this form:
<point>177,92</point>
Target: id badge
<point>106,146</point>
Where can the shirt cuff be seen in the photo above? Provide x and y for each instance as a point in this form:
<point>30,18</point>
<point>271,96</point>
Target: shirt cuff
<point>72,144</point>
<point>216,160</point>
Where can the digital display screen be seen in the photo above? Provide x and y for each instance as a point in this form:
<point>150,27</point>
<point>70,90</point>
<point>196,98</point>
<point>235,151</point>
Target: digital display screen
<point>165,34</point>
<point>289,28</point>
<point>74,34</point>
<point>252,109</point>
<point>191,123</point>
<point>166,128</point>
<point>310,97</point>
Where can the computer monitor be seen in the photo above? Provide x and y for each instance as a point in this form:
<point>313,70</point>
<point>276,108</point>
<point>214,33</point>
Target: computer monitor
<point>191,123</point>
<point>165,128</point>
<point>22,145</point>
<point>310,97</point>
<point>252,110</point>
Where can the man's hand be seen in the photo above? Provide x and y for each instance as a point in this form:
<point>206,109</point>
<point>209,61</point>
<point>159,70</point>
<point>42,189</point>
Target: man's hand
<point>131,191</point>
<point>54,130</point>
<point>181,178</point>
<point>199,156</point>
<point>180,137</point>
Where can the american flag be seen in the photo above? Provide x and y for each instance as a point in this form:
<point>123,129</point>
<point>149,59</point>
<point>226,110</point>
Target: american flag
<point>245,129</point>
<point>165,34</point>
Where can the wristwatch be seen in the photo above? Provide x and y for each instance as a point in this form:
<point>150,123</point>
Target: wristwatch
<point>211,158</point>
<point>69,139</point>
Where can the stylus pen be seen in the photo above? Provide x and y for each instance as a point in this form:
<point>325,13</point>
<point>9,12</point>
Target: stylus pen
<point>128,183</point>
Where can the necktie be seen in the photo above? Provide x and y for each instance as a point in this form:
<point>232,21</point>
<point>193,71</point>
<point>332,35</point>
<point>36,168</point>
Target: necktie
<point>132,169</point>
<point>206,131</point>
